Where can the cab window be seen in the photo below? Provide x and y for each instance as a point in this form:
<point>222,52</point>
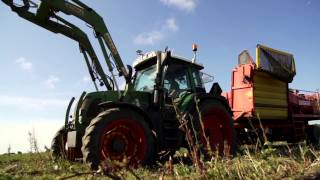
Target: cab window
<point>176,79</point>
<point>145,79</point>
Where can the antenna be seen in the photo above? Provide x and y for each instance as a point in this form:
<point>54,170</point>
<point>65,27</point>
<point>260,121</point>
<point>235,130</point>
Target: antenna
<point>139,52</point>
<point>318,98</point>
<point>166,49</point>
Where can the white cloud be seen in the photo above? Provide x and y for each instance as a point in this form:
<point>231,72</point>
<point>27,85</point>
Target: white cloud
<point>15,134</point>
<point>185,5</point>
<point>308,2</point>
<point>149,38</point>
<point>172,25</point>
<point>155,36</point>
<point>24,64</point>
<point>51,82</point>
<point>24,114</point>
<point>32,103</point>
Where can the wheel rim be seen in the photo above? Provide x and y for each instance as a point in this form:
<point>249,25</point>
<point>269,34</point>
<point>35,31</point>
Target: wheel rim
<point>123,139</point>
<point>218,131</point>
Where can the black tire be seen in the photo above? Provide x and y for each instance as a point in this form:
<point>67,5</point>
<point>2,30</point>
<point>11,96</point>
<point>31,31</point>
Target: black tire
<point>105,129</point>
<point>58,144</point>
<point>226,131</point>
<point>313,136</point>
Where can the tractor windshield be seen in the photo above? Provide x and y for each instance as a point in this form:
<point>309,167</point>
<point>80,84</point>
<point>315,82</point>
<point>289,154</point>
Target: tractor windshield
<point>145,79</point>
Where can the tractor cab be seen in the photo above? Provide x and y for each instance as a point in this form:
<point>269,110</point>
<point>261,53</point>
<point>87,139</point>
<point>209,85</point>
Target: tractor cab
<point>172,74</point>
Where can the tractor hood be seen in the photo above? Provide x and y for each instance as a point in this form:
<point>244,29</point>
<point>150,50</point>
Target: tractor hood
<point>90,107</point>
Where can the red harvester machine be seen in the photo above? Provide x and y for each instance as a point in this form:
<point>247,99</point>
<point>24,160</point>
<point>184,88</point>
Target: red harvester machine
<point>262,102</point>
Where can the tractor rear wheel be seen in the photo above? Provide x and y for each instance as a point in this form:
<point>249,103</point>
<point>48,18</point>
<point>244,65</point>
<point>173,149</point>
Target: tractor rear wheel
<point>58,144</point>
<point>118,134</point>
<point>218,135</point>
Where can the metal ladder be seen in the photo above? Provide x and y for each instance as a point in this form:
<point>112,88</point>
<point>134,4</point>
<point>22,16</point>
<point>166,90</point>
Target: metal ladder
<point>170,129</point>
<point>299,129</point>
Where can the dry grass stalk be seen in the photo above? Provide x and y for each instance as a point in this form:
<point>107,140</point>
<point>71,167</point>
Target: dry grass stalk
<point>190,134</point>
<point>111,168</point>
<point>207,144</point>
<point>77,174</point>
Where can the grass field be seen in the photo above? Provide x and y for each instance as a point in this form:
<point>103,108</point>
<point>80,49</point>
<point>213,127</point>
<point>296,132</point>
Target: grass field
<point>294,162</point>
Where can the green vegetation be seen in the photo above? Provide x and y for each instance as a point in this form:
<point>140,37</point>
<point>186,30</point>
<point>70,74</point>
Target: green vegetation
<point>279,162</point>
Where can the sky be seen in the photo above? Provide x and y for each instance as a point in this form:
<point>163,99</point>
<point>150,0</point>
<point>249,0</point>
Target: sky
<point>41,71</point>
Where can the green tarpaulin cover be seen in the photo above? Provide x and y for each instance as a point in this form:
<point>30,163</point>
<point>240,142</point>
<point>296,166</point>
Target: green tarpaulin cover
<point>277,63</point>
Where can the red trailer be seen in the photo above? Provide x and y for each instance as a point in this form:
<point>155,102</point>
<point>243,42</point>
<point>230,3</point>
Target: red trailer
<point>261,99</point>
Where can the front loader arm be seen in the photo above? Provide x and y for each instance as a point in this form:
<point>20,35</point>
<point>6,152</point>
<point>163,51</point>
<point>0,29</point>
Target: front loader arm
<point>85,13</point>
<point>67,29</point>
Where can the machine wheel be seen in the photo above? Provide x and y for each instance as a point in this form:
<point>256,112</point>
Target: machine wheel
<point>116,134</point>
<point>58,144</point>
<point>313,136</point>
<point>218,128</point>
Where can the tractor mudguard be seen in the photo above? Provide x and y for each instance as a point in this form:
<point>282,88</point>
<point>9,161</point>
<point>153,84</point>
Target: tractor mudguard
<point>186,100</point>
<point>111,104</point>
<point>223,100</point>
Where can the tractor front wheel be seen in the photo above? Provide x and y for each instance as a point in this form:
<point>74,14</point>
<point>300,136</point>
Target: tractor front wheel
<point>118,134</point>
<point>58,144</point>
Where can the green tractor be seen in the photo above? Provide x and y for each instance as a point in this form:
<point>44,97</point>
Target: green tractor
<point>164,93</point>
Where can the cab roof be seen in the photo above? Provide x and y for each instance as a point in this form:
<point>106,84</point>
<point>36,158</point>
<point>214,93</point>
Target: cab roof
<point>150,58</point>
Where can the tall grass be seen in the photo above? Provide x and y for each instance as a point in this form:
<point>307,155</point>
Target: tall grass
<point>261,161</point>
<point>270,162</point>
